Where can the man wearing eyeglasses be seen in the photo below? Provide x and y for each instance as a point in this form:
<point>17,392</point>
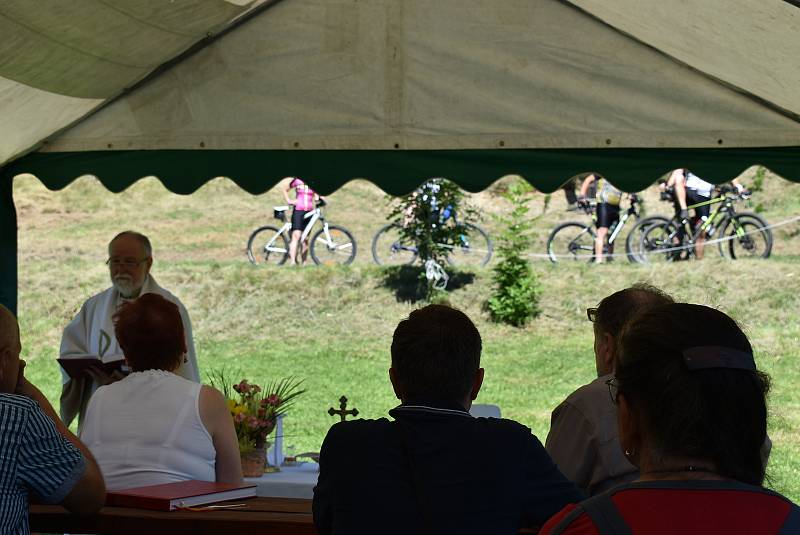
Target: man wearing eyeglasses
<point>90,335</point>
<point>583,439</point>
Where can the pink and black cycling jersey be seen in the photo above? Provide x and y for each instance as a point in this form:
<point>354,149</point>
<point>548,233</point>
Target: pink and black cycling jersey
<point>305,195</point>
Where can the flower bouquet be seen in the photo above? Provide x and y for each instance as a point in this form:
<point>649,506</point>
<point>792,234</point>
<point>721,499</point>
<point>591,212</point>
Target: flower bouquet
<point>255,412</point>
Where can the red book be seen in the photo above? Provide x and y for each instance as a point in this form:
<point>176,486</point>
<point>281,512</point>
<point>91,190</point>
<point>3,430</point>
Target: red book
<point>171,496</point>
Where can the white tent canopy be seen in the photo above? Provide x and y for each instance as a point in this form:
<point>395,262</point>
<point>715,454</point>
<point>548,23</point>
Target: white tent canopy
<point>395,91</point>
<point>61,60</point>
<point>474,74</point>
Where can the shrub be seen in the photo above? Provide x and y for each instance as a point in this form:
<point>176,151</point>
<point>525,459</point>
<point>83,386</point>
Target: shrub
<point>433,219</point>
<point>516,289</point>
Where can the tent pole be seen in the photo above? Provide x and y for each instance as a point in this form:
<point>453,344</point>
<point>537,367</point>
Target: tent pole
<point>8,243</point>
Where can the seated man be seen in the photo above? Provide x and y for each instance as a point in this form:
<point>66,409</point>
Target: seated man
<point>583,439</point>
<point>435,468</point>
<point>91,333</point>
<point>40,456</point>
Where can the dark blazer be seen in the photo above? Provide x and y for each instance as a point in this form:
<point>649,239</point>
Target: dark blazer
<point>469,475</point>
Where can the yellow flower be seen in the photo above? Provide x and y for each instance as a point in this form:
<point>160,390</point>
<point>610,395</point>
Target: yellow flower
<point>239,409</point>
<point>231,404</point>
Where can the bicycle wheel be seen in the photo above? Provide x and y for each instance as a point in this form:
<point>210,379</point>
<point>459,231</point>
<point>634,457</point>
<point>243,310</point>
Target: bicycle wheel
<point>267,246</point>
<point>341,249</point>
<point>474,248</point>
<point>571,241</point>
<point>747,237</point>
<point>661,242</point>
<point>633,242</point>
<point>388,248</point>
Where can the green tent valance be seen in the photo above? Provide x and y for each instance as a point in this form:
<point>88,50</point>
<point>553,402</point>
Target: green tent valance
<point>399,171</point>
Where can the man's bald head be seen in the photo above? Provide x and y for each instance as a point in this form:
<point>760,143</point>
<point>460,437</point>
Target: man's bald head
<point>9,330</point>
<point>9,351</point>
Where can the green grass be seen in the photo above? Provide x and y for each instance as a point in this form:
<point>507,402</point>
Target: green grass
<point>333,326</point>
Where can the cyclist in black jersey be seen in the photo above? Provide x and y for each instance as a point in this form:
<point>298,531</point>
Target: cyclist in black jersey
<point>607,210</point>
<point>690,188</point>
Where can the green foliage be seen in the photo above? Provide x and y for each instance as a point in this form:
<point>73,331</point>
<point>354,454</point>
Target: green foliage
<point>516,289</point>
<point>255,410</point>
<point>427,218</point>
<point>334,325</point>
<point>433,219</point>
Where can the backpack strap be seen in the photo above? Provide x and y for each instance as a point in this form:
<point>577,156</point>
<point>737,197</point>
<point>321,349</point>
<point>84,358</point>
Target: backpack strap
<point>792,522</point>
<point>605,515</point>
<point>602,511</point>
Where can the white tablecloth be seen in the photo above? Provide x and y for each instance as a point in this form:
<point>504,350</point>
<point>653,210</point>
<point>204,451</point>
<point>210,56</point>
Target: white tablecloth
<point>290,482</point>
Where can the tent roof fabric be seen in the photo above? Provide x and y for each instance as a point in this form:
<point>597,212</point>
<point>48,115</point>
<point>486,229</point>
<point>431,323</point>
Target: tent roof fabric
<point>60,60</point>
<point>395,91</point>
<point>388,79</point>
<point>421,75</point>
<point>749,46</point>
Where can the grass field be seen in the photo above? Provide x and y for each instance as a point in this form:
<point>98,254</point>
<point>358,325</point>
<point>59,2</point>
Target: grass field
<point>333,326</point>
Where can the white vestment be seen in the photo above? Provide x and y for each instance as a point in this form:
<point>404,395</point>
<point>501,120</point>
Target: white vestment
<point>91,335</point>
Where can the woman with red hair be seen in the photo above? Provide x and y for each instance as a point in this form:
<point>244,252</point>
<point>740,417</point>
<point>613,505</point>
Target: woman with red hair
<point>154,426</point>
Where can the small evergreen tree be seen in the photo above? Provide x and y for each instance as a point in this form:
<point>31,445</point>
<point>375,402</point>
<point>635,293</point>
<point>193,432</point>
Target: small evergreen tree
<point>516,289</point>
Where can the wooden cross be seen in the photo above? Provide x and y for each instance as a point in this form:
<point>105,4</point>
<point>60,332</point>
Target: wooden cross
<point>342,411</point>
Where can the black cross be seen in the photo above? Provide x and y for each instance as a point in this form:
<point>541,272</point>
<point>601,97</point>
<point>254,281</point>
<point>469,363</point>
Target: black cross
<point>343,412</point>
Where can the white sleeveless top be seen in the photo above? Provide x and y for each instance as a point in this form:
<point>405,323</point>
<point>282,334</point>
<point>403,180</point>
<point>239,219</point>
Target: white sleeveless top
<point>146,430</point>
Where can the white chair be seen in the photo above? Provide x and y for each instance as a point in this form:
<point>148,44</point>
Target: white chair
<point>485,410</point>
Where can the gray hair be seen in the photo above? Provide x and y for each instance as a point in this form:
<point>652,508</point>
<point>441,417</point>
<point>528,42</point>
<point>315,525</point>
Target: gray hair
<point>617,309</point>
<point>144,240</point>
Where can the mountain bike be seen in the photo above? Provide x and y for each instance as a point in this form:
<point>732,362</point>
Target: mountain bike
<point>472,248</point>
<point>331,244</point>
<point>574,240</point>
<point>740,233</point>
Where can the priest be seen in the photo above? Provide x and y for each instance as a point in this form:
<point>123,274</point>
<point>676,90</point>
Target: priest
<point>91,333</point>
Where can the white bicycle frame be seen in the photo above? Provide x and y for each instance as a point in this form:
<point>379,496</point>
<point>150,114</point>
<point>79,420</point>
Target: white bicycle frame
<point>618,227</point>
<point>314,216</point>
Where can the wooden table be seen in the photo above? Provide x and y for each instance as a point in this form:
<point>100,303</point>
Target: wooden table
<point>273,516</point>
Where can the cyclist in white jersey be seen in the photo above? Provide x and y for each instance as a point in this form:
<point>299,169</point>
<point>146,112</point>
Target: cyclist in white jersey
<point>690,187</point>
<point>607,210</point>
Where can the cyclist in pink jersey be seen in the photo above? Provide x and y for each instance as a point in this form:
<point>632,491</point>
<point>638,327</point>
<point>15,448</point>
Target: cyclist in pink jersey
<point>303,204</point>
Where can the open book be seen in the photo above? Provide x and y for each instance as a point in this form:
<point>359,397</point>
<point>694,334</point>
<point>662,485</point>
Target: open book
<point>76,368</point>
<point>171,496</point>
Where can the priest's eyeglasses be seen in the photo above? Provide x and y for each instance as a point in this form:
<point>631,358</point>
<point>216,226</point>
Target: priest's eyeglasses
<point>613,389</point>
<point>128,263</point>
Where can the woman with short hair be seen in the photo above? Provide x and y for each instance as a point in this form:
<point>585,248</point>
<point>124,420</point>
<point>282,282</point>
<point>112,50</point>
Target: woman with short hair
<point>154,426</point>
<point>692,417</point>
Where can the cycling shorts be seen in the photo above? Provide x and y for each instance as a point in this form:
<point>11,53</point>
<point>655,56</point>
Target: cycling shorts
<point>694,197</point>
<point>299,220</point>
<point>607,214</point>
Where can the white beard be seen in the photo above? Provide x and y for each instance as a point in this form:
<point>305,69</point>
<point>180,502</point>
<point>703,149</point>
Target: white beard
<point>126,287</point>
